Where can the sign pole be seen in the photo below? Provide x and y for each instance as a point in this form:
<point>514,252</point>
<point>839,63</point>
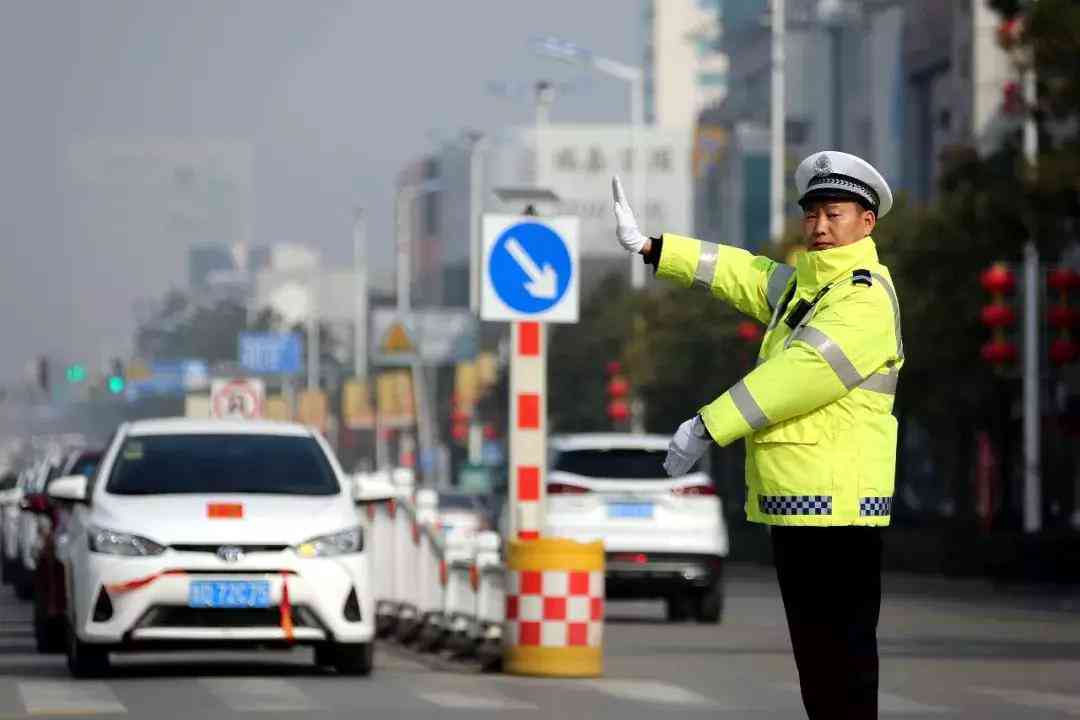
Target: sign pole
<point>528,428</point>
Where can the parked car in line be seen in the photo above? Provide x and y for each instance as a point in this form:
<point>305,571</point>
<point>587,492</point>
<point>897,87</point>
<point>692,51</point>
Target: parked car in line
<point>48,579</point>
<point>663,537</point>
<point>34,523</point>
<point>215,534</point>
<point>10,495</point>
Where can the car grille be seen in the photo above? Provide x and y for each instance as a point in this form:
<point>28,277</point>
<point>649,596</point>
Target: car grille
<point>176,616</point>
<point>212,549</point>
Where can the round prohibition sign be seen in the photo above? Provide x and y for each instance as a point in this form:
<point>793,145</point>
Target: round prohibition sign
<point>238,399</point>
<point>530,267</point>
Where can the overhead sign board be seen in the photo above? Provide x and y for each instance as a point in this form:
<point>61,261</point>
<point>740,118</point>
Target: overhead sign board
<point>170,377</point>
<point>431,336</point>
<point>270,353</point>
<point>237,399</point>
<point>530,269</point>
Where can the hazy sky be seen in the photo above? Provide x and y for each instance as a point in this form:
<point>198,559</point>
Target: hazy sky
<point>335,97</point>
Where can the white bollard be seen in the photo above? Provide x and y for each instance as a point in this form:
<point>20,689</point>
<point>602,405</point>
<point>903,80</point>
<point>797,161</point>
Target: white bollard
<point>460,598</point>
<point>490,599</point>
<point>406,541</point>
<point>429,570</point>
<point>375,494</point>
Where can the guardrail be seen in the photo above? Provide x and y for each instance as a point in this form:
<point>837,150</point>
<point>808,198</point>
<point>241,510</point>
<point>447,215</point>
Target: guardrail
<point>435,591</point>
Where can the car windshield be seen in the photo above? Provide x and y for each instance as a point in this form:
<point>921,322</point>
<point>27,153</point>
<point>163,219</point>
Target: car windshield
<point>615,463</point>
<point>217,464</point>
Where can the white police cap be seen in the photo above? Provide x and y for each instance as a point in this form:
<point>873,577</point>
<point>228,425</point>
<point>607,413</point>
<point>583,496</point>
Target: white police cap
<point>834,174</point>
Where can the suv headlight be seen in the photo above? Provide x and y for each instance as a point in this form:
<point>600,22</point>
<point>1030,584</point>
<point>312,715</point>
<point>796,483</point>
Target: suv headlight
<point>339,543</point>
<point>111,542</point>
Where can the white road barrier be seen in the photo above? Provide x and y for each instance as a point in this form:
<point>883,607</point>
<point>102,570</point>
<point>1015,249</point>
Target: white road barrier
<point>437,591</point>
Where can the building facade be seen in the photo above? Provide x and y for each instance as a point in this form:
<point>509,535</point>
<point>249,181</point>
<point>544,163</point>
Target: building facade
<point>685,72</point>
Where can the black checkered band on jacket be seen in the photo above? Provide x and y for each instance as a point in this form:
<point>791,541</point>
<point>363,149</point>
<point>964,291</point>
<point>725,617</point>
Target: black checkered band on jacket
<point>795,504</point>
<point>820,184</point>
<point>875,506</point>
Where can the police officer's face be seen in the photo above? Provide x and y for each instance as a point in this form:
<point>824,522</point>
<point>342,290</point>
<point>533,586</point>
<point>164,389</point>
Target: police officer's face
<point>828,224</point>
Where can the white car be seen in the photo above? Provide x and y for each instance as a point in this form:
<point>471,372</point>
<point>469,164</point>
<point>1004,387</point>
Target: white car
<point>10,495</point>
<point>213,533</point>
<point>663,537</point>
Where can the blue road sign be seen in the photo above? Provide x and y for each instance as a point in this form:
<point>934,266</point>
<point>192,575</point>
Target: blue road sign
<point>270,353</point>
<point>530,267</point>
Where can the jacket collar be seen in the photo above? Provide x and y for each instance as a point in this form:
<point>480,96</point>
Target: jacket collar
<point>815,270</point>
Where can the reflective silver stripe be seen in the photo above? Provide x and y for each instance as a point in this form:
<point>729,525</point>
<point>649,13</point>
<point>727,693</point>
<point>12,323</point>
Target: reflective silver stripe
<point>778,283</point>
<point>706,265</point>
<point>881,382</point>
<point>896,311</point>
<point>833,354</point>
<point>748,406</point>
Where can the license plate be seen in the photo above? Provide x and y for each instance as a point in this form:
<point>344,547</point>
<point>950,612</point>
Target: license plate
<point>229,594</point>
<point>630,510</point>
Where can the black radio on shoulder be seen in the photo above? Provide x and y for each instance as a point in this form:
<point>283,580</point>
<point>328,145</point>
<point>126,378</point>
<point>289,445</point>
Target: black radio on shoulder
<point>798,313</point>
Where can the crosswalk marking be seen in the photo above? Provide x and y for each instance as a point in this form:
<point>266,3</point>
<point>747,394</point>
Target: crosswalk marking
<point>1069,704</point>
<point>472,701</point>
<point>247,694</point>
<point>651,691</point>
<point>69,698</point>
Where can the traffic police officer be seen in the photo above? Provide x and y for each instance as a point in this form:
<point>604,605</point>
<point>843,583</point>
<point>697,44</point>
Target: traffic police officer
<point>815,413</point>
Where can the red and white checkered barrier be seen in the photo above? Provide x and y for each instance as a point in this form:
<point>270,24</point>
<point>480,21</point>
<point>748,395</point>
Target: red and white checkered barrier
<point>555,608</point>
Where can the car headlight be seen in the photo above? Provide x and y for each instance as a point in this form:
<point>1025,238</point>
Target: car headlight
<point>339,543</point>
<point>111,542</point>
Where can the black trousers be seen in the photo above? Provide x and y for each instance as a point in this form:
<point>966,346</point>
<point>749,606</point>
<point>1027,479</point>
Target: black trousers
<point>830,581</point>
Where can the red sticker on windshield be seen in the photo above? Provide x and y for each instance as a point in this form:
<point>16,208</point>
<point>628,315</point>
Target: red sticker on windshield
<point>224,510</point>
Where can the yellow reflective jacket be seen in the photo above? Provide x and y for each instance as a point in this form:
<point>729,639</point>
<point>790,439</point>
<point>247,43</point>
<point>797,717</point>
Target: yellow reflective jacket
<point>816,412</point>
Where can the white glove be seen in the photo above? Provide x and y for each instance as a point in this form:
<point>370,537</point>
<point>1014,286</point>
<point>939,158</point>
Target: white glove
<point>687,446</point>
<point>626,229</point>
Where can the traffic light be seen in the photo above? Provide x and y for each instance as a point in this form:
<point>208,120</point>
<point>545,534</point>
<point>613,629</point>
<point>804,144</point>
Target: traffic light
<point>617,391</point>
<point>999,281</point>
<point>115,383</point>
<point>75,373</point>
<point>1061,317</point>
<point>42,373</point>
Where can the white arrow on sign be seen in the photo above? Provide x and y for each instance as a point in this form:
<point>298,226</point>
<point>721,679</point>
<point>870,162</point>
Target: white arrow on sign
<point>543,284</point>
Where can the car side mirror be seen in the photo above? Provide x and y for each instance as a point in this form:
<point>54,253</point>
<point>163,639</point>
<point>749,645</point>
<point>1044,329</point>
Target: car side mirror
<point>70,487</point>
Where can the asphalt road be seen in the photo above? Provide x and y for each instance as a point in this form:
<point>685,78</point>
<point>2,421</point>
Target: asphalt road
<point>949,650</point>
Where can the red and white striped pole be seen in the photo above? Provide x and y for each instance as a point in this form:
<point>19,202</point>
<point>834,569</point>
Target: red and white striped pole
<point>528,429</point>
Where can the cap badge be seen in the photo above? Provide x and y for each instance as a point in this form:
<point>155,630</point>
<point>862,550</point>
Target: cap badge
<point>822,166</point>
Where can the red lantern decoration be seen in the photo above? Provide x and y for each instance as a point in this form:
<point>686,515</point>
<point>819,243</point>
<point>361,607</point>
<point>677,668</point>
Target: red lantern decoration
<point>1063,351</point>
<point>998,279</point>
<point>1062,279</point>
<point>998,315</point>
<point>459,416</point>
<point>618,387</point>
<point>459,431</point>
<point>999,352</point>
<point>618,411</point>
<point>749,331</point>
<point>1061,317</point>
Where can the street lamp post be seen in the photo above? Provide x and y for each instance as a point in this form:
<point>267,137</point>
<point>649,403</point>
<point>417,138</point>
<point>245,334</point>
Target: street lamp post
<point>777,120</point>
<point>559,49</point>
<point>406,195</point>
